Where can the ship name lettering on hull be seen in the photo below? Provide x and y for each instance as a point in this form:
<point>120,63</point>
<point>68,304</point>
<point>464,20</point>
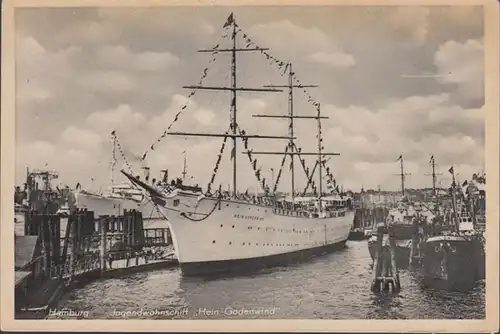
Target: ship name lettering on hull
<point>248,217</point>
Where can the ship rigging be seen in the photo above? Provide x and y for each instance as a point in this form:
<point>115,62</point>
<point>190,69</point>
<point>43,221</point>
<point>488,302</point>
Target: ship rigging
<point>215,233</point>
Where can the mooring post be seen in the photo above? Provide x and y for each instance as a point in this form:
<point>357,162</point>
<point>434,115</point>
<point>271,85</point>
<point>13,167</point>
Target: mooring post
<point>385,271</point>
<point>395,272</point>
<point>73,243</point>
<point>377,260</point>
<point>414,244</point>
<point>102,245</point>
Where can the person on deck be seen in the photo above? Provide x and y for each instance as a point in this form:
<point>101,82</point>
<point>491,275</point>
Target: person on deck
<point>110,260</point>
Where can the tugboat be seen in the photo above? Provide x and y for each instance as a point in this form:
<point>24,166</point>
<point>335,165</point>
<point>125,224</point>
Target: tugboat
<point>456,260</point>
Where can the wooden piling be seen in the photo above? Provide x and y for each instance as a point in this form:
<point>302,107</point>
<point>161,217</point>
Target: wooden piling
<point>385,271</point>
<point>395,271</point>
<point>102,248</point>
<point>414,245</point>
<point>377,260</point>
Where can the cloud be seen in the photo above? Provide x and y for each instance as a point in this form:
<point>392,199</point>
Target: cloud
<point>33,61</point>
<point>410,22</point>
<point>90,32</point>
<point>134,19</point>
<point>321,47</point>
<point>82,73</point>
<point>107,81</point>
<point>333,59</point>
<point>462,64</point>
<point>120,57</point>
<point>121,119</point>
<point>205,117</point>
<point>80,138</point>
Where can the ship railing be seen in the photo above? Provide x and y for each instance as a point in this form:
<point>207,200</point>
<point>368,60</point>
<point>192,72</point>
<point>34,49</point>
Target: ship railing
<point>310,214</point>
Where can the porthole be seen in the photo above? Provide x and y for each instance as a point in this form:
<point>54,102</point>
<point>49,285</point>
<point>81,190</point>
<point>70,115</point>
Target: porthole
<point>230,243</point>
<point>233,226</point>
<point>243,244</point>
<point>213,241</point>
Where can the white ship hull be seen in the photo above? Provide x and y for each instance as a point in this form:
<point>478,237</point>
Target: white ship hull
<point>103,205</point>
<point>212,235</point>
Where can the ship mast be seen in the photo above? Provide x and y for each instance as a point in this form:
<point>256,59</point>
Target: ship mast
<point>454,200</point>
<point>320,149</point>
<point>113,159</point>
<point>291,117</point>
<point>402,174</point>
<point>434,176</point>
<point>184,169</point>
<point>319,153</point>
<point>234,89</point>
<point>233,107</point>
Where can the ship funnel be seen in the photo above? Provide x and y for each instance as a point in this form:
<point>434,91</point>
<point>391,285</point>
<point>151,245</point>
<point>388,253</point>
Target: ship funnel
<point>146,173</point>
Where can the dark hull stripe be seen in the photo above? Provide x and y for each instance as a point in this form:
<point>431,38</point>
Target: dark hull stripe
<point>464,267</point>
<point>357,236</point>
<point>240,266</point>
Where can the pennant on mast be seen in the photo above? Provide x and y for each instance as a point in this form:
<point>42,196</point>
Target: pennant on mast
<point>229,21</point>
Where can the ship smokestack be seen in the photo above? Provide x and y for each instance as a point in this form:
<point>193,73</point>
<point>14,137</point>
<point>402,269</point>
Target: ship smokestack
<point>146,173</point>
<point>165,175</point>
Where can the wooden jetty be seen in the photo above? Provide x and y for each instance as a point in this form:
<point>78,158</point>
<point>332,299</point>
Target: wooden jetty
<point>91,248</point>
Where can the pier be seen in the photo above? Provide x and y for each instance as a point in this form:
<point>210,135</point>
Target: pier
<point>47,263</point>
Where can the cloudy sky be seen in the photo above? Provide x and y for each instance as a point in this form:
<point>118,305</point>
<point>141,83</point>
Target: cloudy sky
<point>391,80</point>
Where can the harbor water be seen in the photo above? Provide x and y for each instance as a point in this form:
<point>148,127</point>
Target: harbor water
<point>332,286</point>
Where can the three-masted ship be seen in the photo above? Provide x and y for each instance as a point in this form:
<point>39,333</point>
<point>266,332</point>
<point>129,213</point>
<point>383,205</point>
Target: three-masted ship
<point>220,232</point>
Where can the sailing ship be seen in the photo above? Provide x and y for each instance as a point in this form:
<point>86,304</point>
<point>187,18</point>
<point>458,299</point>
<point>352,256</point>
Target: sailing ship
<point>456,260</point>
<point>234,232</point>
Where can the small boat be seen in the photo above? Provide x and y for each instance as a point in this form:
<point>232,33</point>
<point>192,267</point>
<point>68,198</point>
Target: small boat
<point>358,234</point>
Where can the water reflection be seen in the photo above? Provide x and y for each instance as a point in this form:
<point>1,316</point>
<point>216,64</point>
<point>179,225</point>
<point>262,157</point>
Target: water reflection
<point>334,286</point>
